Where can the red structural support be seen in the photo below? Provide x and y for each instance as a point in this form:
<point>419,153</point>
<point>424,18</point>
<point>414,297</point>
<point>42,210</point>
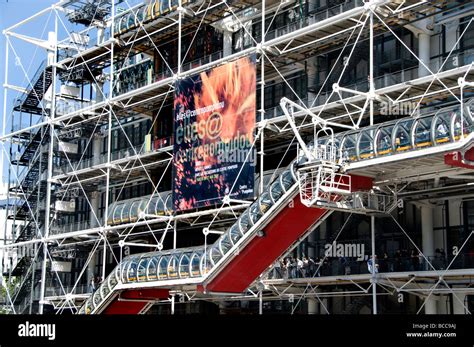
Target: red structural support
<point>459,160</point>
<point>134,301</point>
<point>290,224</point>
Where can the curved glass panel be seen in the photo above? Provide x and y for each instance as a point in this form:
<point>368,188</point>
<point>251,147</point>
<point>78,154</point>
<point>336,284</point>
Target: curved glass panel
<point>195,264</point>
<point>125,218</point>
<point>264,202</point>
<point>142,267</point>
<point>169,204</point>
<point>88,306</point>
<point>255,212</point>
<point>348,147</point>
<point>287,178</point>
<point>184,266</point>
<point>205,263</point>
<point>276,191</point>
<point>235,233</point>
<point>152,205</point>
<point>422,134</point>
<point>118,213</point>
<point>244,222</point>
<point>366,144</point>
<point>174,4</point>
<point>123,24</point>
<point>383,140</point>
<point>117,274</point>
<point>401,135</point>
<point>215,254</point>
<point>104,289</point>
<point>141,15</point>
<point>134,210</point>
<point>173,264</point>
<point>467,125</point>
<point>163,268</point>
<point>152,269</point>
<point>442,127</point>
<point>164,6</point>
<point>132,270</point>
<point>96,298</point>
<point>225,244</point>
<point>131,20</point>
<point>111,281</point>
<point>156,9</point>
<point>123,268</point>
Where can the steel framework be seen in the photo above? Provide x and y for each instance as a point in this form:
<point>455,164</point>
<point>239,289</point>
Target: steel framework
<point>55,119</point>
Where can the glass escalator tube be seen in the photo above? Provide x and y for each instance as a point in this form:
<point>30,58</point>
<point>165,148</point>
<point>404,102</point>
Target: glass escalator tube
<point>104,288</point>
<point>142,268</point>
<point>235,234</point>
<point>383,140</point>
<point>184,265</point>
<point>156,9</point>
<point>112,279</point>
<point>423,132</point>
<point>96,298</point>
<point>264,202</point>
<point>88,306</point>
<point>442,126</point>
<point>164,6</point>
<point>467,124</point>
<point>172,266</point>
<point>163,267</point>
<point>152,269</point>
<point>348,147</point>
<point>365,143</point>
<point>276,190</point>
<point>215,253</point>
<point>123,24</point>
<point>205,262</point>
<point>287,178</point>
<point>244,222</point>
<point>123,266</point>
<point>402,135</point>
<point>110,218</point>
<point>255,212</point>
<point>195,263</point>
<point>169,204</point>
<point>225,243</point>
<point>132,270</point>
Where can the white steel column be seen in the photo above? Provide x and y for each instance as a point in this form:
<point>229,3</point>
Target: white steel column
<point>372,218</point>
<point>427,235</point>
<point>52,58</point>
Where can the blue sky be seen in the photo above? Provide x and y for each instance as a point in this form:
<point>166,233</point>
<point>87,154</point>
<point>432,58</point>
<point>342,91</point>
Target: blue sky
<point>12,12</point>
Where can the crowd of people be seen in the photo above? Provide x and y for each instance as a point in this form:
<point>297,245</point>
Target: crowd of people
<point>401,260</point>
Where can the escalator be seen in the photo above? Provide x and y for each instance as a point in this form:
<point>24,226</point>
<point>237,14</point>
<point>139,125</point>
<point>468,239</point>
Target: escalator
<point>260,235</point>
<point>278,217</point>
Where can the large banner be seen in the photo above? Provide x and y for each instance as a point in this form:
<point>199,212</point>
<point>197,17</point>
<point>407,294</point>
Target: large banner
<point>214,123</point>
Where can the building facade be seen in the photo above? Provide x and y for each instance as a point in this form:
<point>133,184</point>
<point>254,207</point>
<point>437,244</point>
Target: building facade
<point>361,187</point>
